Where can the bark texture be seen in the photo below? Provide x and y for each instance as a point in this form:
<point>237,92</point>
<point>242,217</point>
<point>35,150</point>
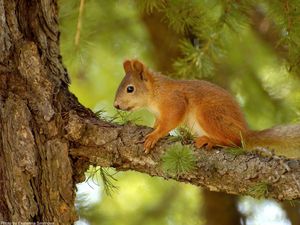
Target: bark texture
<point>109,145</point>
<point>48,139</point>
<point>33,96</point>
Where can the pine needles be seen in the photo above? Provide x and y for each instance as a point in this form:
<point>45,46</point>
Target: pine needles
<point>120,117</point>
<point>205,26</point>
<point>100,175</point>
<point>150,5</point>
<point>259,190</point>
<point>285,14</point>
<point>178,159</point>
<point>183,135</point>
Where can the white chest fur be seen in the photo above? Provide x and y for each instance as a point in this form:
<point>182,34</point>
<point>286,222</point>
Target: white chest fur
<point>153,109</point>
<point>190,121</point>
<point>193,125</point>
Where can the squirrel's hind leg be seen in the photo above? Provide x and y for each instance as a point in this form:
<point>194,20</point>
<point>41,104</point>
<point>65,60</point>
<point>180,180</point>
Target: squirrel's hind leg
<point>222,127</point>
<point>208,143</point>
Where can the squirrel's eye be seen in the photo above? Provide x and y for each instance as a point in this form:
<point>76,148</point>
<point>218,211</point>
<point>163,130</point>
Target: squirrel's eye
<point>130,89</point>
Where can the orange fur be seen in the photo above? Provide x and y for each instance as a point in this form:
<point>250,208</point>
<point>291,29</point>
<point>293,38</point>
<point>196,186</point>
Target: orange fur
<point>216,111</point>
<point>209,110</point>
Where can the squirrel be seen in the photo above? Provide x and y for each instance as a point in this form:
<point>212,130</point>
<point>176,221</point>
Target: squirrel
<point>209,111</point>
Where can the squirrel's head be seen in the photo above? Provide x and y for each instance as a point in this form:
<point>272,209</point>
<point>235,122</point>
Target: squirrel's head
<point>134,89</point>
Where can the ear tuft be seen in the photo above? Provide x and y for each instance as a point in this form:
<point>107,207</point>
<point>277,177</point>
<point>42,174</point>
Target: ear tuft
<point>138,66</point>
<point>127,65</point>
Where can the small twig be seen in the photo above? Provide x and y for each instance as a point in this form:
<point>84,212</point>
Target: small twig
<point>79,23</point>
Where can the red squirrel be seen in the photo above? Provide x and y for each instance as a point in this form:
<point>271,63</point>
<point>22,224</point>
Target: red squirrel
<point>209,111</point>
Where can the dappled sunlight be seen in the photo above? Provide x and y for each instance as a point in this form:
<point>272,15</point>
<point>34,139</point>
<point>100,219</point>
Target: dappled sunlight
<point>263,212</point>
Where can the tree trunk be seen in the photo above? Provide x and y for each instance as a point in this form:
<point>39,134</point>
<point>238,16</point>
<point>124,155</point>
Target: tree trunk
<point>292,210</point>
<point>37,182</point>
<point>220,208</point>
<point>48,139</point>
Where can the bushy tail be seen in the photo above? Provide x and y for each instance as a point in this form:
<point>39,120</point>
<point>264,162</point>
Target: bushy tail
<point>283,140</point>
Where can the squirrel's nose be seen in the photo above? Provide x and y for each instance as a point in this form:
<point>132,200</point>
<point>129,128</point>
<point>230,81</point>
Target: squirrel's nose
<point>116,105</point>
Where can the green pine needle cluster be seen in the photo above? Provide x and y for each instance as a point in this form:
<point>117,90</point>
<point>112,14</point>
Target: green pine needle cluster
<point>123,117</point>
<point>286,16</point>
<point>108,180</point>
<point>100,114</point>
<point>178,159</point>
<point>182,15</point>
<point>259,190</point>
<point>184,135</point>
<point>150,5</point>
<point>120,117</point>
<point>195,62</point>
<point>202,25</point>
<point>206,27</point>
<point>99,175</point>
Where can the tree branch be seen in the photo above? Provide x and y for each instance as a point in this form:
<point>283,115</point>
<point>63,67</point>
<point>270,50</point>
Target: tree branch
<point>110,145</point>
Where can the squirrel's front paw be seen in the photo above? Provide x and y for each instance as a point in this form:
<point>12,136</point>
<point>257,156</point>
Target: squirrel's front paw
<point>150,141</point>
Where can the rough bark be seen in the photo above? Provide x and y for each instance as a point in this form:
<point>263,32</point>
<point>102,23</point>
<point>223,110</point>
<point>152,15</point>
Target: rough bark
<point>48,139</point>
<point>33,96</point>
<point>109,145</point>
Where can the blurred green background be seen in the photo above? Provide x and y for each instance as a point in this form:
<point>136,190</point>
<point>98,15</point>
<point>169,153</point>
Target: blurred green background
<point>251,48</point>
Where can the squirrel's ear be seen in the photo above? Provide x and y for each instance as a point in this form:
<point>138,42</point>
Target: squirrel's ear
<point>140,68</point>
<point>127,66</point>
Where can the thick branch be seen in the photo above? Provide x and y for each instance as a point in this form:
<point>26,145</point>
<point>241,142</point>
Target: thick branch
<point>108,145</point>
